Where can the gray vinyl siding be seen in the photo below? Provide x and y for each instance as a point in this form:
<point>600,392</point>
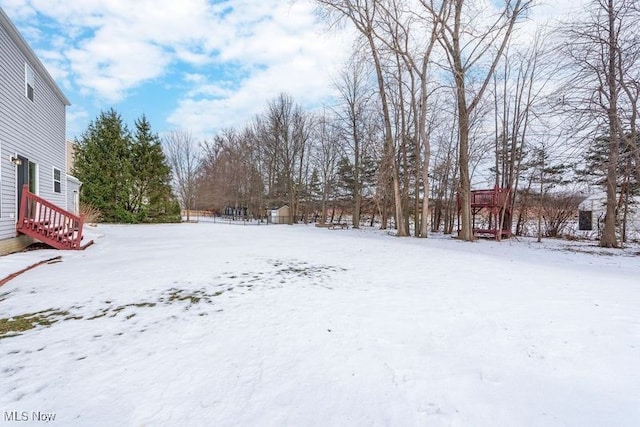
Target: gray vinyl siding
<point>73,189</point>
<point>33,129</point>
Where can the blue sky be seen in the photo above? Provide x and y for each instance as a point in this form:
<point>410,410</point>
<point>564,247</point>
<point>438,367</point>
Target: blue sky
<point>197,65</point>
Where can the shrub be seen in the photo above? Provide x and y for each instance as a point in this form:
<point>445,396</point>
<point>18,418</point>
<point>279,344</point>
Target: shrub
<point>91,215</point>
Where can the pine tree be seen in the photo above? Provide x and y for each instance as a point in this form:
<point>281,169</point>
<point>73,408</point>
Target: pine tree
<point>554,208</point>
<point>151,199</point>
<point>103,165</point>
<point>346,180</point>
<point>126,178</point>
<point>627,186</point>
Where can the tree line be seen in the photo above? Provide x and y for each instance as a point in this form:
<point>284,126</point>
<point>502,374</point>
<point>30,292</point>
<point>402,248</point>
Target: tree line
<point>439,94</point>
<point>439,97</point>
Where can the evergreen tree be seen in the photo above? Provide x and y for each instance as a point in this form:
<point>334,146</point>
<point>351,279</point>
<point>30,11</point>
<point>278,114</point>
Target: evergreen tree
<point>555,208</point>
<point>594,172</point>
<point>126,178</point>
<point>103,165</point>
<point>315,186</point>
<point>595,165</point>
<point>151,199</point>
<point>346,180</point>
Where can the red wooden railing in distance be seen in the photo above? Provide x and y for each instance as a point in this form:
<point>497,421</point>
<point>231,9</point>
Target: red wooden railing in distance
<point>49,223</point>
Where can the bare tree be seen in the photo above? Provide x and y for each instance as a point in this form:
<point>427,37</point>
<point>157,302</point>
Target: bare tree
<point>326,151</point>
<point>184,156</point>
<point>445,172</point>
<point>415,52</point>
<point>519,102</point>
<point>601,49</point>
<point>354,113</point>
<point>284,131</point>
<point>229,176</point>
<point>365,16</point>
<point>468,45</point>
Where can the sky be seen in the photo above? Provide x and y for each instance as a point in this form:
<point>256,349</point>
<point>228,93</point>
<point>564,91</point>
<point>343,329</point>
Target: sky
<point>197,65</point>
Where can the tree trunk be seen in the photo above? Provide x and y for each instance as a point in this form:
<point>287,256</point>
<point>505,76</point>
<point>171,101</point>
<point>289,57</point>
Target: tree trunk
<point>388,139</point>
<point>608,238</point>
<point>465,233</point>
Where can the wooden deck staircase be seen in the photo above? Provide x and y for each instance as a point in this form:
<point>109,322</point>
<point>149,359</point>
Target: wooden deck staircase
<point>49,223</point>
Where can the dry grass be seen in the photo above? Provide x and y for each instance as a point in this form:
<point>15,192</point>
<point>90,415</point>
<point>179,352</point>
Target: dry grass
<point>14,326</point>
<point>91,215</point>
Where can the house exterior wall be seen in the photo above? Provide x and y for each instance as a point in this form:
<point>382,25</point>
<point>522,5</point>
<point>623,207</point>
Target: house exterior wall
<point>16,244</point>
<point>71,150</point>
<point>73,195</point>
<point>32,129</point>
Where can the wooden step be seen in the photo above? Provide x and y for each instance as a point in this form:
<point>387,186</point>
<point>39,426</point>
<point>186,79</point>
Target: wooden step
<point>49,223</point>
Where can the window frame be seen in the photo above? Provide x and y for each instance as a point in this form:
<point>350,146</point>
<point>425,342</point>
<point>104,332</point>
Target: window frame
<point>58,181</point>
<point>29,82</point>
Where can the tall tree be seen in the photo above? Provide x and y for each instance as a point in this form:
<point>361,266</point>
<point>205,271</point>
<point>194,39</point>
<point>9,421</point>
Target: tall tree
<point>472,45</point>
<point>325,158</point>
<point>602,50</point>
<point>365,16</point>
<point>126,178</point>
<point>285,131</point>
<point>412,38</point>
<point>103,164</point>
<point>151,198</point>
<point>356,114</point>
<point>518,102</point>
<point>184,157</point>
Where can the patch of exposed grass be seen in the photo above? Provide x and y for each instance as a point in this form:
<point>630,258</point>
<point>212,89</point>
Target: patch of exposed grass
<point>303,269</point>
<point>114,311</point>
<point>97,316</point>
<point>191,296</point>
<point>15,325</point>
<point>143,304</point>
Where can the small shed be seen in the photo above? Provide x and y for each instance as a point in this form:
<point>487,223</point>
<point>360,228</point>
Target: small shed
<point>279,215</point>
<point>592,211</point>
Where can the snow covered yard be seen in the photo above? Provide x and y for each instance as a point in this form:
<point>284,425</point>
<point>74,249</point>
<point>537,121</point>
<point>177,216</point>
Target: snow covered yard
<point>220,325</point>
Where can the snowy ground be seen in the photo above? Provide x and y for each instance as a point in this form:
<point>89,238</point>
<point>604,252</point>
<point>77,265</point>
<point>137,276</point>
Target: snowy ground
<point>221,325</point>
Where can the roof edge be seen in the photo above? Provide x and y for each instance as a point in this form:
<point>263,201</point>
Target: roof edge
<point>26,50</point>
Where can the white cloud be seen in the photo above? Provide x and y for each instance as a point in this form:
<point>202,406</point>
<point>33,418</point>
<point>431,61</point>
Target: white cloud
<point>283,51</point>
<point>109,65</point>
<point>107,48</point>
<point>77,119</point>
<point>113,46</point>
<point>233,55</point>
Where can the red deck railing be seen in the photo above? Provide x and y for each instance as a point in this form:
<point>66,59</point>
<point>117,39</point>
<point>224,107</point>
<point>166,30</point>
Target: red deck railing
<point>490,206</point>
<point>49,223</point>
<point>495,197</point>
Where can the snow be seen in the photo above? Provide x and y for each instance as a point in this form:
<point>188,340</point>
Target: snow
<point>206,324</point>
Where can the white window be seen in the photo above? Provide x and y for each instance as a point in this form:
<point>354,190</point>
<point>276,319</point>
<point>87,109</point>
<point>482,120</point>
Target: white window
<point>29,81</point>
<point>57,180</point>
